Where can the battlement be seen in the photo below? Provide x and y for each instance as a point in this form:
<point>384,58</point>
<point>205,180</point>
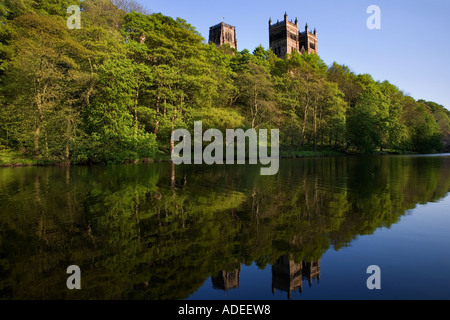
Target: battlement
<point>226,25</point>
<point>223,33</point>
<point>285,38</point>
<point>282,23</point>
<point>309,32</point>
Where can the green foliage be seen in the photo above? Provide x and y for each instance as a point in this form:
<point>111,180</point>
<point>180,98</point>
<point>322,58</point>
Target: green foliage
<point>442,117</point>
<point>363,126</point>
<point>257,95</point>
<point>116,89</point>
<point>12,158</point>
<point>426,135</point>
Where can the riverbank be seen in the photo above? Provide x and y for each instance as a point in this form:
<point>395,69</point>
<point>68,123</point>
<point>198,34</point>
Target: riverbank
<point>311,154</point>
<point>10,158</point>
<point>308,152</point>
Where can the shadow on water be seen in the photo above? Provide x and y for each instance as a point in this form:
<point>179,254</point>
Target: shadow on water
<point>155,231</point>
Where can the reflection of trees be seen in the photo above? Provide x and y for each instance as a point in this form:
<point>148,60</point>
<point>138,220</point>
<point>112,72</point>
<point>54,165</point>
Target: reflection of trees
<point>150,232</point>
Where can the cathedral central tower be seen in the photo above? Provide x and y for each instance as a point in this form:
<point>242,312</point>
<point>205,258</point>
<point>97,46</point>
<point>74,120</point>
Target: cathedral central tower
<point>285,38</point>
<point>223,33</point>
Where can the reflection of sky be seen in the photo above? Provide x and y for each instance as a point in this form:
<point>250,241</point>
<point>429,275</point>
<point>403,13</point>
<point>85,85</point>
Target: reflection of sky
<point>414,257</point>
<point>410,50</point>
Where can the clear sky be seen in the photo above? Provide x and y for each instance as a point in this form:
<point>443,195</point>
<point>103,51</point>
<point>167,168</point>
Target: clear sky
<point>411,50</point>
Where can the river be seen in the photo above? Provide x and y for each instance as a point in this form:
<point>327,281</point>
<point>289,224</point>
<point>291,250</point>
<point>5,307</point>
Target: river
<point>159,231</point>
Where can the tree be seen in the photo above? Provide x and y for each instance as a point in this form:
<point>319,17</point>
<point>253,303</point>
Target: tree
<point>397,133</point>
<point>130,6</point>
<point>257,95</point>
<point>426,136</point>
<point>112,119</point>
<point>442,117</point>
<point>363,125</point>
<point>42,85</point>
<point>57,84</point>
<point>346,81</point>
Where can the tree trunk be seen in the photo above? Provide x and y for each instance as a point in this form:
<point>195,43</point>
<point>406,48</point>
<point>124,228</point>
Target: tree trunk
<point>172,143</point>
<point>39,102</point>
<point>37,132</point>
<point>157,115</point>
<point>305,119</point>
<point>46,154</point>
<point>135,113</point>
<point>255,107</point>
<point>91,84</point>
<point>315,127</point>
<point>172,176</point>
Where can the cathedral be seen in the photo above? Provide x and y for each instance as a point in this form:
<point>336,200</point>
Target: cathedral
<point>284,37</point>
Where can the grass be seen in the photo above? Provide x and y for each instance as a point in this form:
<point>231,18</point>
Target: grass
<point>308,151</point>
<point>305,154</point>
<point>162,156</point>
<point>397,152</point>
<point>10,158</point>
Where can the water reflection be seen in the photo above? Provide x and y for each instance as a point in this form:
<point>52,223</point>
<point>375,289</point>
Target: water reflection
<point>159,232</point>
<point>288,276</point>
<point>227,280</point>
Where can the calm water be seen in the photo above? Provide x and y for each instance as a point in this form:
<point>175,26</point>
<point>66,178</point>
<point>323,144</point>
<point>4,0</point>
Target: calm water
<point>224,232</point>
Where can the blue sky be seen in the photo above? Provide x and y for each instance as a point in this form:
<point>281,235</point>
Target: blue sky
<point>411,50</point>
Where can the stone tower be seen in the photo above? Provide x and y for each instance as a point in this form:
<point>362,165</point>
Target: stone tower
<point>285,38</point>
<point>288,276</point>
<point>223,33</point>
<point>226,280</point>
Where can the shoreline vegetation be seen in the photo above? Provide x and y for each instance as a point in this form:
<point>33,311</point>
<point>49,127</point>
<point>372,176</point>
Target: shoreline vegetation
<point>13,159</point>
<point>116,89</point>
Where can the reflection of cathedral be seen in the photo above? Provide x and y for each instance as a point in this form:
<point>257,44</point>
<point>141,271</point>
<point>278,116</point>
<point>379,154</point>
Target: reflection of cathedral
<point>226,280</point>
<point>288,275</point>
